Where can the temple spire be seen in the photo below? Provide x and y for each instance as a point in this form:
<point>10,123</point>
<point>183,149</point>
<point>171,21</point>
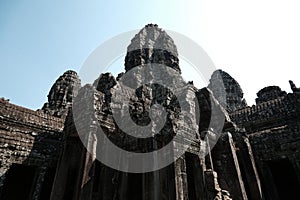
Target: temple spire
<point>152,45</point>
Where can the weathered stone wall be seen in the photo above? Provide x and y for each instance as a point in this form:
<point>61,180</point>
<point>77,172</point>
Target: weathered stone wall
<point>30,138</point>
<point>268,114</point>
<point>275,145</point>
<point>272,126</point>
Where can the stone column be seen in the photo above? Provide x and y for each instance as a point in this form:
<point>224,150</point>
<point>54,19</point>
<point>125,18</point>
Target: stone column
<point>247,159</point>
<point>237,167</point>
<point>227,166</point>
<point>89,165</point>
<point>208,158</point>
<point>213,190</point>
<point>181,179</point>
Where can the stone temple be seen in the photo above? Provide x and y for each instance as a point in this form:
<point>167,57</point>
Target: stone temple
<point>257,154</point>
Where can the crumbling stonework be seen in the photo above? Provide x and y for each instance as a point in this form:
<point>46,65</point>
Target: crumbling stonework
<point>49,157</point>
<point>30,142</point>
<point>269,93</point>
<point>272,128</point>
<point>220,83</point>
<point>61,94</point>
<point>152,45</point>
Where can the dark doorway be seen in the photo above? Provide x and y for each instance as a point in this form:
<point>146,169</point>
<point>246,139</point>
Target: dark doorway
<point>135,186</point>
<point>97,183</point>
<point>47,184</point>
<point>70,183</point>
<point>285,178</point>
<point>194,177</point>
<point>19,182</point>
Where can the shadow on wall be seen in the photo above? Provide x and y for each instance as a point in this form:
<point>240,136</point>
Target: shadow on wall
<point>33,177</point>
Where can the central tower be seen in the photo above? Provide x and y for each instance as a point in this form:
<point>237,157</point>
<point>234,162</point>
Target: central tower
<point>152,45</point>
<point>186,177</point>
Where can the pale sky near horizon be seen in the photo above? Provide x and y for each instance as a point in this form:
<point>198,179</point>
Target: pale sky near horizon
<point>257,42</point>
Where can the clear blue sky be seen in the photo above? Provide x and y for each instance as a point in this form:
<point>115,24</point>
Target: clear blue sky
<point>256,42</point>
